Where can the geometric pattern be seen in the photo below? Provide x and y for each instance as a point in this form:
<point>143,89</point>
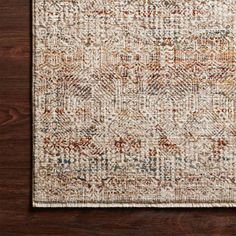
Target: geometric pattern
<point>134,103</point>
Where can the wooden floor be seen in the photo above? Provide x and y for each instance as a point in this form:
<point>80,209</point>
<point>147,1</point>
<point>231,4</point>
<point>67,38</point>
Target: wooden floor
<point>17,217</point>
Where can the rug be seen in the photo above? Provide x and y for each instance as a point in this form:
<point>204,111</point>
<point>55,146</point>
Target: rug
<point>134,103</point>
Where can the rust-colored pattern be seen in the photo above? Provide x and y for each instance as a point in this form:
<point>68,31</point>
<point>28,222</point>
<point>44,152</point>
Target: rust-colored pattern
<point>134,103</point>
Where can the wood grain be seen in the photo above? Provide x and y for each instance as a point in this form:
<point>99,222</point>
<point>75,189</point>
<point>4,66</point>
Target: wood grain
<point>17,217</point>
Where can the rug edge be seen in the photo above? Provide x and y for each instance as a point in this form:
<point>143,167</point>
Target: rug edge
<point>33,107</point>
<point>131,205</point>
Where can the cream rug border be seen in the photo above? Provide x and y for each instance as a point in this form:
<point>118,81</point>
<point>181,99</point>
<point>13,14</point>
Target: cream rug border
<point>133,205</point>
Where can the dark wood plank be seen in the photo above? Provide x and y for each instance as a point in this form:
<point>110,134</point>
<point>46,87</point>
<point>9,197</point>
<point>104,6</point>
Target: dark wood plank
<point>17,217</point>
<point>14,151</point>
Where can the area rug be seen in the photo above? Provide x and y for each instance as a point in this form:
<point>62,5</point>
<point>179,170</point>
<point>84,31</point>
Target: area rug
<point>134,103</point>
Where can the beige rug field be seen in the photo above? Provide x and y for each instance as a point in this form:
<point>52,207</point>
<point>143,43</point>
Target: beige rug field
<point>134,103</point>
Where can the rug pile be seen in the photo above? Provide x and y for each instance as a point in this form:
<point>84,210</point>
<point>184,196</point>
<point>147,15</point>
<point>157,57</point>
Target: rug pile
<point>134,103</point>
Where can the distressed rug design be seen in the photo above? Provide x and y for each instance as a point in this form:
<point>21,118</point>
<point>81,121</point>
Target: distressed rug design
<point>134,103</point>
